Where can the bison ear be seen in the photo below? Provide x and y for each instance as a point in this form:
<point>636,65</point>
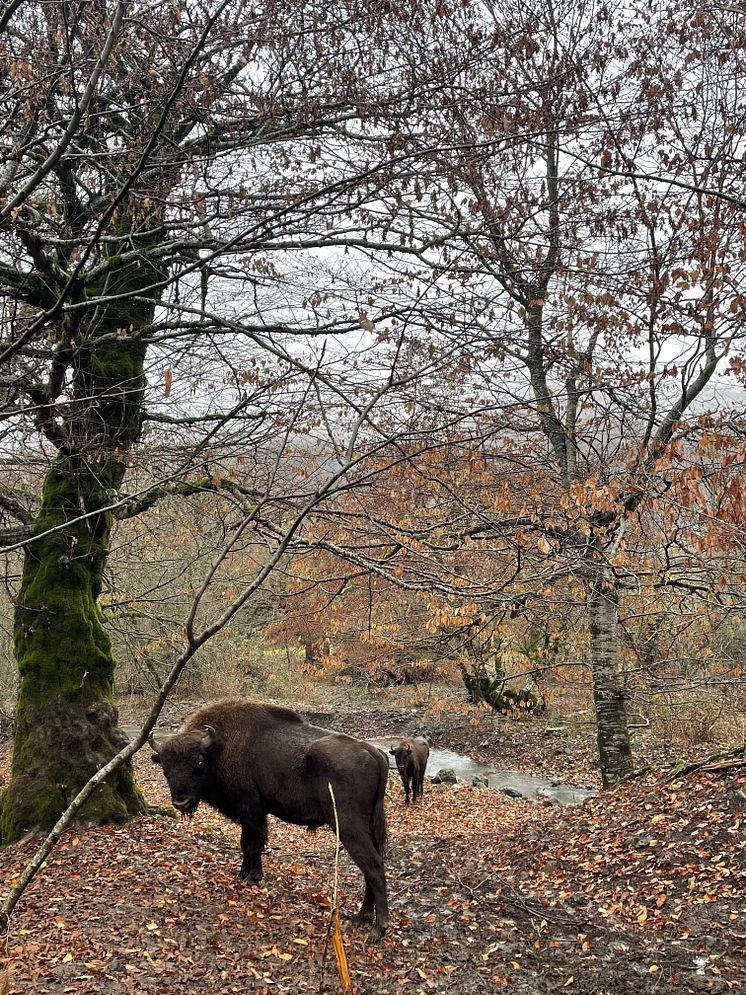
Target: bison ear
<point>209,739</point>
<point>391,751</point>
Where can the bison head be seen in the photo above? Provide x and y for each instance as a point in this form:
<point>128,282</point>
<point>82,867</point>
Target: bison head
<point>401,755</point>
<point>186,759</point>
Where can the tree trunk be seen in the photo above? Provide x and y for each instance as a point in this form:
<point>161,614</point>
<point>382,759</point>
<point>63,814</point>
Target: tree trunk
<point>614,747</point>
<point>66,721</point>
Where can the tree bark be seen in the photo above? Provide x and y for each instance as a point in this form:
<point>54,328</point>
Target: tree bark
<point>66,721</point>
<point>614,748</point>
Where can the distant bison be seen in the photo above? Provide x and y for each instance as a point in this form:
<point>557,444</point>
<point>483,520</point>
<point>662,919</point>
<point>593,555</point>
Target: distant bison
<point>249,760</point>
<point>411,757</point>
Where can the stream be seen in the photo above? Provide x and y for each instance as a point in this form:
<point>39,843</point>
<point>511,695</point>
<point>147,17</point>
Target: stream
<point>509,782</point>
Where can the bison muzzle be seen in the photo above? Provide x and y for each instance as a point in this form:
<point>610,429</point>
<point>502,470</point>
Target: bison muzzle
<point>250,760</point>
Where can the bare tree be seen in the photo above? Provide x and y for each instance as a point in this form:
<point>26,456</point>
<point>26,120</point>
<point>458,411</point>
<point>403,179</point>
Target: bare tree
<point>577,183</point>
<point>166,315</point>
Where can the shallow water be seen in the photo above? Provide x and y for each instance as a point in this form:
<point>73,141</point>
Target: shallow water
<point>529,786</point>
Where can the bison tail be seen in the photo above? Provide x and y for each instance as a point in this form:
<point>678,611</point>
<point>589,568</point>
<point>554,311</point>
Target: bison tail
<point>378,826</point>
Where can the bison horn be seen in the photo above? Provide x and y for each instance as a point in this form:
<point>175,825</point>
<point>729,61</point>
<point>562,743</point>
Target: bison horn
<point>210,738</point>
<point>153,743</point>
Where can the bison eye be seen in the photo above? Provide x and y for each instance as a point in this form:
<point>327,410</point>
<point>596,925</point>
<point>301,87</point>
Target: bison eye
<point>200,763</point>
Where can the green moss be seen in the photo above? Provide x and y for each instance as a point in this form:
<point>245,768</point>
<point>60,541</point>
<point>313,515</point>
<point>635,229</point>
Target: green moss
<point>16,821</point>
<point>119,381</point>
<point>65,719</point>
<point>60,640</point>
<point>108,804</point>
<point>167,810</point>
<point>114,801</point>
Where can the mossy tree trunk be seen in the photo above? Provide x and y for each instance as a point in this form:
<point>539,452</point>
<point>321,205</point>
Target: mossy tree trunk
<point>66,721</point>
<point>614,748</point>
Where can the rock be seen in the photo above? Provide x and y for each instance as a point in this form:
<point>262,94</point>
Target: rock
<point>445,775</point>
<point>737,800</point>
<point>547,798</point>
<point>511,792</point>
<point>479,781</point>
<point>67,970</point>
<point>640,842</point>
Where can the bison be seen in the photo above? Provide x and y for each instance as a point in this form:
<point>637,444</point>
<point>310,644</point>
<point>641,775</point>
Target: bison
<point>250,760</point>
<point>411,757</point>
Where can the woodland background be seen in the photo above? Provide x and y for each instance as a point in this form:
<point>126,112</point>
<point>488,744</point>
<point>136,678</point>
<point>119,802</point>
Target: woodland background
<point>389,352</point>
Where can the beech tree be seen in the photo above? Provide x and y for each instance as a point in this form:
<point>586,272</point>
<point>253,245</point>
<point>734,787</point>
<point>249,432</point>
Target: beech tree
<point>620,288</point>
<point>165,317</point>
<point>576,193</point>
<point>613,295</point>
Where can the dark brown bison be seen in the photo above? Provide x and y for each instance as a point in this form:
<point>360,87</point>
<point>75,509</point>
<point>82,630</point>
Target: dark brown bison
<point>411,757</point>
<point>249,761</point>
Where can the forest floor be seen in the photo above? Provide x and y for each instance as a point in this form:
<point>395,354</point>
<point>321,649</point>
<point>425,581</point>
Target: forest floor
<point>640,890</point>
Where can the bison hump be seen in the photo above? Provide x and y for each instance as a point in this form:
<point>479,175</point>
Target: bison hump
<point>233,713</point>
<point>284,714</point>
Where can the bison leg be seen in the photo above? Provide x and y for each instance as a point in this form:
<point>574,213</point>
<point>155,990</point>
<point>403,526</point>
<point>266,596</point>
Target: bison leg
<point>370,862</point>
<point>367,909</point>
<point>253,840</point>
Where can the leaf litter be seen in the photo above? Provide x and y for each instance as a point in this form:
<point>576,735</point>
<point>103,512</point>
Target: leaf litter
<point>639,890</point>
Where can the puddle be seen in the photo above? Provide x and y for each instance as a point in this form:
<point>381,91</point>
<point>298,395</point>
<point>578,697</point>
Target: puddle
<point>525,785</point>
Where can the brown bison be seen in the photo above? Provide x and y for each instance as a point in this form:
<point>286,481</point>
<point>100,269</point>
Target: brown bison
<point>249,760</point>
<point>411,757</point>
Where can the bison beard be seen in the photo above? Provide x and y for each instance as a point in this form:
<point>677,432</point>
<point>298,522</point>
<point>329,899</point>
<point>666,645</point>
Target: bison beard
<point>249,760</point>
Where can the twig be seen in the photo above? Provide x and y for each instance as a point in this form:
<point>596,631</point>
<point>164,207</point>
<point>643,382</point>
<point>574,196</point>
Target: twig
<point>520,903</point>
<point>739,753</point>
<point>333,929</point>
<point>644,723</point>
